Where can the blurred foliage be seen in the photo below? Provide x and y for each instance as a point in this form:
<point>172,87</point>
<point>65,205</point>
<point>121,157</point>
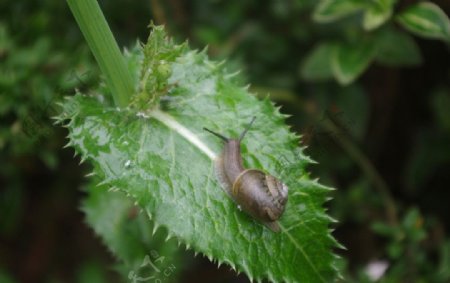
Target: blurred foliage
<point>39,75</point>
<point>131,236</point>
<point>387,130</point>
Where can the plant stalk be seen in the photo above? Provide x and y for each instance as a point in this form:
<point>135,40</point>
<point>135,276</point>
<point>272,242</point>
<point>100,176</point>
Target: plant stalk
<point>101,41</point>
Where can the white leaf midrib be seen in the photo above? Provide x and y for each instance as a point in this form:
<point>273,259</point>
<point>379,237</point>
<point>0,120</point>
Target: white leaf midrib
<point>186,133</point>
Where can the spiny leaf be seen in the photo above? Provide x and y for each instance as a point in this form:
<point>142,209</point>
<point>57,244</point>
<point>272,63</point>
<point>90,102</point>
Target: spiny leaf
<point>162,159</point>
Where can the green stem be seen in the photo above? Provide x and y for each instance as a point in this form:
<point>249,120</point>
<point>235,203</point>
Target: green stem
<point>367,167</point>
<point>101,41</point>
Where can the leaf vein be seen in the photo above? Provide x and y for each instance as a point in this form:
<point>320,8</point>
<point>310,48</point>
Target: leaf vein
<point>300,248</point>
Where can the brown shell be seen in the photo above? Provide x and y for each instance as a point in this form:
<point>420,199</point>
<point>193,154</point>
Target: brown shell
<point>262,196</point>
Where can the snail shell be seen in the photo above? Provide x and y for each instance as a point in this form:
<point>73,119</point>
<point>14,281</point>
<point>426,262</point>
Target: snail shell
<point>260,195</point>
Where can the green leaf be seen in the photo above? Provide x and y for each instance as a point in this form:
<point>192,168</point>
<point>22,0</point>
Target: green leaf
<point>426,19</point>
<point>384,229</point>
<point>377,13</point>
<point>332,10</point>
<point>396,48</point>
<point>162,159</point>
<point>444,255</point>
<point>350,60</point>
<point>128,233</point>
<point>317,65</point>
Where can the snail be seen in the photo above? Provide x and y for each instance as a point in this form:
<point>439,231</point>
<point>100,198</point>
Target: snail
<point>260,195</point>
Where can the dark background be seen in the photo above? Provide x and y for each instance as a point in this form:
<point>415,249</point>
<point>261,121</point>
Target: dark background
<point>383,141</point>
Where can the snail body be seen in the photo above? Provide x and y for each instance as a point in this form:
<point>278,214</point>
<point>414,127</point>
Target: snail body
<point>262,196</point>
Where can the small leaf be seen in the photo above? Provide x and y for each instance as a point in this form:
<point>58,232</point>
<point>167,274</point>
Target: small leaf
<point>377,13</point>
<point>162,158</point>
<point>396,48</point>
<point>384,229</point>
<point>317,65</point>
<point>350,60</point>
<point>332,10</point>
<point>426,19</point>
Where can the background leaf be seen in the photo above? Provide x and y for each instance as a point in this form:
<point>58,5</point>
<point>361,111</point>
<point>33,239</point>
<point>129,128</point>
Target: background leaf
<point>397,48</point>
<point>162,159</point>
<point>426,19</point>
<point>317,64</point>
<point>377,13</point>
<point>331,10</point>
<point>350,60</point>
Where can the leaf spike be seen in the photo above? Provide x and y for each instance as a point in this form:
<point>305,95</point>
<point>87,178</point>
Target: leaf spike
<point>68,144</point>
<point>340,246</point>
<point>247,270</point>
<point>218,66</point>
<point>82,160</point>
<point>104,182</point>
<point>205,49</point>
<point>155,228</point>
<point>271,278</point>
<point>232,75</point>
<point>332,220</point>
<point>90,174</point>
<point>234,266</point>
<point>249,275</point>
<point>57,118</point>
